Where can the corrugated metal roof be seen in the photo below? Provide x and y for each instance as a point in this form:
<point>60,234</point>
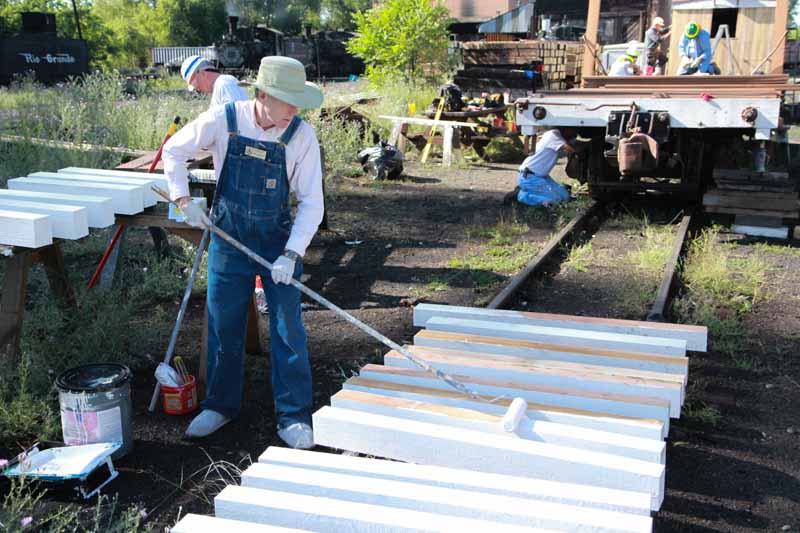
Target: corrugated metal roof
<point>518,20</point>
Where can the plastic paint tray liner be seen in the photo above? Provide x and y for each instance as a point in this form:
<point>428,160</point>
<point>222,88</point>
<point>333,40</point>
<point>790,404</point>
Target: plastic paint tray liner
<point>66,463</point>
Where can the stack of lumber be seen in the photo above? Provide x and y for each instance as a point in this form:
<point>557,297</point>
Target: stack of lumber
<point>45,205</point>
<point>729,86</point>
<point>588,456</point>
<point>561,60</point>
<point>745,192</point>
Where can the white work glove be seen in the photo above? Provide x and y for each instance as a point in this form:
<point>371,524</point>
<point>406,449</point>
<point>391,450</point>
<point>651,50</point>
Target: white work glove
<point>283,270</point>
<point>195,215</point>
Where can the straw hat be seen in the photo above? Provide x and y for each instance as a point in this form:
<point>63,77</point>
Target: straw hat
<point>285,79</point>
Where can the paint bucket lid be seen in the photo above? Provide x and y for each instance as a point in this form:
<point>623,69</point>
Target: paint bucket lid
<point>94,378</point>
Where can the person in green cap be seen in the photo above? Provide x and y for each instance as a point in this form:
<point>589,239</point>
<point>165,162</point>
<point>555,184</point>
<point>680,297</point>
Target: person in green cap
<point>695,50</point>
<point>263,153</point>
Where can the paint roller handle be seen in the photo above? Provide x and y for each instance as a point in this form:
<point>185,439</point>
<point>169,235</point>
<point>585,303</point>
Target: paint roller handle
<point>514,415</point>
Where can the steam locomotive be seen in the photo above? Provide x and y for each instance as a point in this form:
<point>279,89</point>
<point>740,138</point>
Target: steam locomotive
<point>38,49</point>
<point>324,53</point>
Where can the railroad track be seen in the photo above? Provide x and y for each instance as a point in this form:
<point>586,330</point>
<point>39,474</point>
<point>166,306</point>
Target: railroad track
<point>593,218</point>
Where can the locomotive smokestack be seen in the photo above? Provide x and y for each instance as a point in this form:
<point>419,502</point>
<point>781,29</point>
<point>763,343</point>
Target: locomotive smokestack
<point>233,23</point>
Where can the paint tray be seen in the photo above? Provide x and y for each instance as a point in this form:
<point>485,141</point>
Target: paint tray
<point>58,463</point>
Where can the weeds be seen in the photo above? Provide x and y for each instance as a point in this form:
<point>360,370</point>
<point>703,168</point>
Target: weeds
<point>579,257</point>
<point>705,415</point>
<point>720,289</point>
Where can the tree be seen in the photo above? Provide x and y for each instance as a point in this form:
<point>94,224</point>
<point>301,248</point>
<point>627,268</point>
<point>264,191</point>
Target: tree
<point>192,22</point>
<point>398,37</point>
<point>338,14</point>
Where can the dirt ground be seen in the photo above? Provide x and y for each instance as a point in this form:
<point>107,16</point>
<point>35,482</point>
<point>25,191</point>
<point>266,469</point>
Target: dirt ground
<point>388,241</point>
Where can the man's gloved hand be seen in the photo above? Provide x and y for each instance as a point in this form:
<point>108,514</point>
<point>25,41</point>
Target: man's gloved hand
<point>195,215</point>
<point>283,270</point>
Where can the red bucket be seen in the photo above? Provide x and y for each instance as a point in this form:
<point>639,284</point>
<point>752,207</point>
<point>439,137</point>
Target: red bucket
<point>180,400</point>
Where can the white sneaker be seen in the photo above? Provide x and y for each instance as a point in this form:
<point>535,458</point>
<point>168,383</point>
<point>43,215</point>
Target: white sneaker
<point>297,435</point>
<point>206,423</point>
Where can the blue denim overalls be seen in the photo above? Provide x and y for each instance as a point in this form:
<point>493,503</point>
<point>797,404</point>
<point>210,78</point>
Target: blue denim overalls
<point>252,205</point>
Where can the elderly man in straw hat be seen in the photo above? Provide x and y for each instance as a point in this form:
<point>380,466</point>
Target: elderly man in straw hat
<point>263,152</point>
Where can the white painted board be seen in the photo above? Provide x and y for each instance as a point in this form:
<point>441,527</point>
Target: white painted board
<point>420,442</point>
<point>569,354</point>
<point>455,478</point>
<point>125,199</point>
<point>197,523</point>
<point>67,221</point>
<point>696,337</point>
<point>371,401</point>
<point>563,336</point>
<point>329,515</point>
<point>30,230</point>
<point>149,195</point>
<point>438,500</point>
<point>160,179</point>
<point>551,412</point>
<point>781,232</point>
<point>671,392</point>
<point>100,210</point>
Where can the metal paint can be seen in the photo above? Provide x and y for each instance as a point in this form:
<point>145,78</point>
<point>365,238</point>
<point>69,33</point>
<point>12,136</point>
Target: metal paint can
<point>95,403</point>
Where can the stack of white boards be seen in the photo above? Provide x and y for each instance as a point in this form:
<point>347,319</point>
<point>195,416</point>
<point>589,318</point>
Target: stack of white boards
<point>588,456</point>
<point>64,205</point>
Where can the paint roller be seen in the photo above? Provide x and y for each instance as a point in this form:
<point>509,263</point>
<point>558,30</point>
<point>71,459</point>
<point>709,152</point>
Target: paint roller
<point>513,415</point>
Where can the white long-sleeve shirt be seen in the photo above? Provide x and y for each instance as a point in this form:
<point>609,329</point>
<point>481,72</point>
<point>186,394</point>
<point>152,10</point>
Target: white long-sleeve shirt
<point>226,89</point>
<point>210,131</point>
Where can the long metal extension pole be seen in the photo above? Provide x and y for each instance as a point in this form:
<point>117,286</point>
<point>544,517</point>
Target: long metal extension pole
<point>457,385</point>
<point>184,303</point>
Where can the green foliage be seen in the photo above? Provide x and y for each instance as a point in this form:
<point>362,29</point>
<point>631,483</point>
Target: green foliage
<point>23,416</point>
<point>338,14</point>
<point>192,22</point>
<point>23,510</point>
<point>579,257</point>
<point>400,38</point>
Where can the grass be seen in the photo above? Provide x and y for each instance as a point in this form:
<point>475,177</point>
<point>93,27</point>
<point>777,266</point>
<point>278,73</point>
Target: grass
<point>435,285</point>
<point>579,257</point>
<point>721,287</point>
<point>702,414</point>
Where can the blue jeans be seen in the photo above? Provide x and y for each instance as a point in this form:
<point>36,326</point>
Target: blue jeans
<point>538,190</point>
<point>252,205</point>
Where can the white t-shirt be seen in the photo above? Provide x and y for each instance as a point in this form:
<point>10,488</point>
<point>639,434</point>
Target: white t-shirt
<point>544,158</point>
<point>226,89</point>
<point>621,67</point>
<point>303,167</point>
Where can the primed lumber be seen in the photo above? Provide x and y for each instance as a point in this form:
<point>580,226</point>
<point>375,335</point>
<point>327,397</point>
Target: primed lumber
<point>631,415</point>
<point>420,442</point>
<point>537,350</point>
<point>99,209</point>
<point>563,336</point>
<point>67,221</point>
<point>567,435</point>
<point>696,337</point>
<point>125,199</point>
<point>455,478</point>
<point>437,500</point>
<point>30,230</point>
<point>160,179</point>
<point>149,195</point>
<point>197,523</point>
<point>455,362</point>
<point>325,514</point>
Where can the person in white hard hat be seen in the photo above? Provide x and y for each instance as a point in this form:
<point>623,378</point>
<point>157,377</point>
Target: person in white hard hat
<point>200,75</point>
<point>626,65</point>
<point>263,154</point>
<point>654,44</point>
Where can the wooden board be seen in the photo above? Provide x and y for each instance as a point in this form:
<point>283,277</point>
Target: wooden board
<point>695,336</point>
<point>326,514</point>
<point>419,442</point>
<point>455,362</point>
<point>125,199</point>
<point>454,478</point>
<point>549,404</point>
<point>100,211</point>
<point>30,230</point>
<point>537,350</point>
<point>416,497</point>
<point>195,523</point>
<point>562,336</point>
<point>67,221</point>
<point>160,179</point>
<point>372,401</point>
<point>752,200</point>
<point>150,197</point>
